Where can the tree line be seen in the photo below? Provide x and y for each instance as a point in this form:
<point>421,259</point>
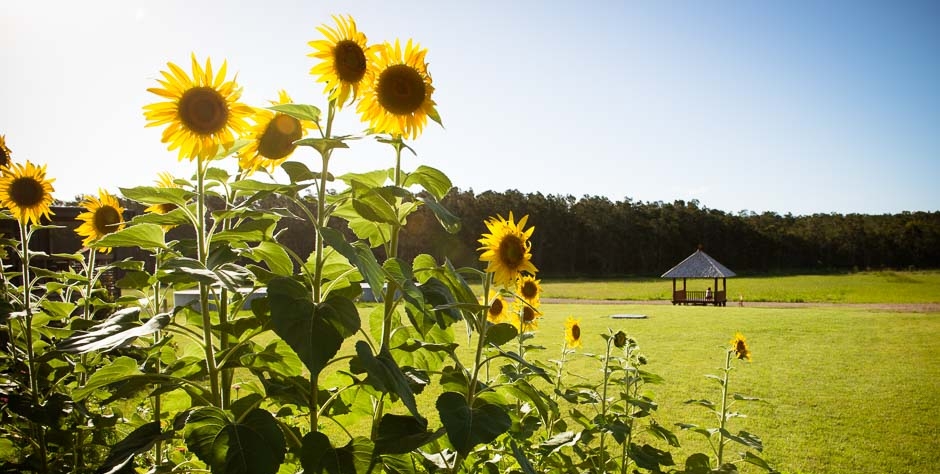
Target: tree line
<point>595,237</point>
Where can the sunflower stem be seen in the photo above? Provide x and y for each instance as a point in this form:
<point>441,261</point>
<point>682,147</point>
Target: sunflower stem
<point>724,408</point>
<point>203,257</point>
<point>602,452</point>
<point>30,356</point>
<point>321,222</point>
<point>158,304</point>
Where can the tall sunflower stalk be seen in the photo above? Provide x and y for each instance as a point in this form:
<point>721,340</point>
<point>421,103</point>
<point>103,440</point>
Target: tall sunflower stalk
<point>202,115</point>
<point>26,192</point>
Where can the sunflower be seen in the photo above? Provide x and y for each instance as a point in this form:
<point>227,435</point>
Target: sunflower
<point>573,332</point>
<point>526,319</point>
<point>202,112</point>
<point>498,309</point>
<point>620,339</point>
<point>739,347</point>
<point>5,153</point>
<point>506,248</point>
<point>272,138</point>
<point>103,216</point>
<point>345,59</point>
<point>164,180</point>
<point>26,192</point>
<point>529,289</point>
<point>396,97</point>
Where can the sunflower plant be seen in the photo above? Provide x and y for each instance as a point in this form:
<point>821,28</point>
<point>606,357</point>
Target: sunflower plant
<point>720,437</point>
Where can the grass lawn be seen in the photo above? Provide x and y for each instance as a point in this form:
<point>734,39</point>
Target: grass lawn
<point>864,287</point>
<point>846,390</point>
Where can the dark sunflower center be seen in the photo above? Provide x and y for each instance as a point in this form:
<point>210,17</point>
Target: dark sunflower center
<point>620,339</point>
<point>350,61</point>
<point>528,314</point>
<point>740,348</point>
<point>529,290</point>
<point>106,219</point>
<point>511,251</point>
<point>401,89</point>
<point>26,192</point>
<point>278,138</point>
<point>576,332</point>
<point>4,157</point>
<point>166,208</point>
<point>203,110</point>
<point>497,307</point>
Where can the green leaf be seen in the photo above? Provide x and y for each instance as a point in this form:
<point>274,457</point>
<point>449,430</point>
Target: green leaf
<point>151,195</point>
<point>469,427</point>
<point>747,439</point>
<point>187,270</point>
<point>298,111</point>
<point>560,440</point>
<point>274,255</point>
<point>322,145</point>
<point>314,331</point>
<point>387,377</point>
<point>400,434</point>
<point>501,333</point>
<point>299,172</point>
<point>58,309</point>
<point>745,398</point>
<point>431,180</point>
<point>376,204</point>
<point>145,236</point>
<point>252,445</point>
<point>698,463</point>
<point>217,174</point>
<point>138,441</point>
<point>318,455</point>
<point>648,457</point>
<point>118,370</point>
<point>757,461</point>
<point>664,433</point>
<point>524,463</point>
<point>119,330</point>
<point>448,220</point>
<point>248,231</point>
<point>360,256</point>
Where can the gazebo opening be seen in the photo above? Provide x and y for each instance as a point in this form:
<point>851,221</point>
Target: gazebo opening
<point>699,265</point>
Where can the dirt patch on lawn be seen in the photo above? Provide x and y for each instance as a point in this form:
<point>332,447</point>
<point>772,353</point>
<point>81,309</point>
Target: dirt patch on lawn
<point>893,307</point>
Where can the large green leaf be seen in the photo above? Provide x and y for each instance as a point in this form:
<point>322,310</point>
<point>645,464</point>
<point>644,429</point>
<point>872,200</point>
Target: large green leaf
<point>298,111</point>
<point>400,434</point>
<point>431,180</point>
<point>138,441</point>
<point>387,377</point>
<point>145,236</point>
<point>469,427</point>
<point>360,256</point>
<point>314,331</point>
<point>119,330</point>
<point>448,220</point>
<point>157,195</point>
<point>318,455</point>
<point>323,145</point>
<point>274,255</point>
<point>118,370</point>
<point>252,445</point>
<point>298,172</point>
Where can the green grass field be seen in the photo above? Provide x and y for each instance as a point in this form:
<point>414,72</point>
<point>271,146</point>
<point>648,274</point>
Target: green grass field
<point>846,389</point>
<point>865,287</point>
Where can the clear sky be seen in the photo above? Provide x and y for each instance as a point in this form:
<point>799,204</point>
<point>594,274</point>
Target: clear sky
<point>795,106</point>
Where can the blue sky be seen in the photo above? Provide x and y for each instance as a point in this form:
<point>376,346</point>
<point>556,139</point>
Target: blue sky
<point>802,107</point>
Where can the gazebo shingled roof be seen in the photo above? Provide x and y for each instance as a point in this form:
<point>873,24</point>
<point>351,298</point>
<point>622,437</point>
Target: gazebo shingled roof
<point>699,265</point>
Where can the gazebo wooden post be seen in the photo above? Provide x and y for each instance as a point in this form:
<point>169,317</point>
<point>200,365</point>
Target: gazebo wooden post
<point>715,293</point>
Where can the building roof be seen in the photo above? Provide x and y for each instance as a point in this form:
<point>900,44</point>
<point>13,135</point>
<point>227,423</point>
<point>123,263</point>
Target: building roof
<point>699,265</point>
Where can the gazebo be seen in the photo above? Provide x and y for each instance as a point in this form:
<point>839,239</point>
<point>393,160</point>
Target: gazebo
<point>699,265</point>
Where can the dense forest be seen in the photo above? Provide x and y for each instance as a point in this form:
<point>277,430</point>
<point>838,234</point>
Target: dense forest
<point>594,237</point>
